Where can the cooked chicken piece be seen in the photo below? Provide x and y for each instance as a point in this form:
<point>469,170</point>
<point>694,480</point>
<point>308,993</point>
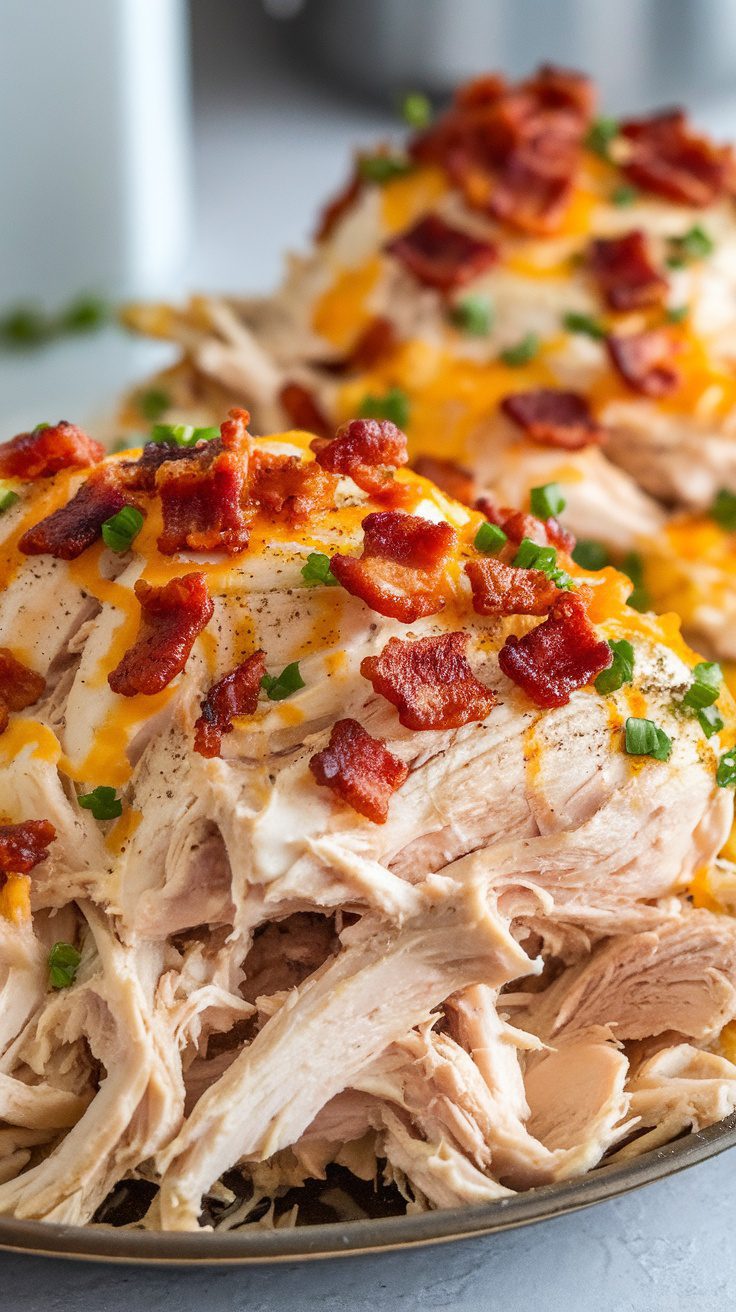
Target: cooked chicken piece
<point>302,794</point>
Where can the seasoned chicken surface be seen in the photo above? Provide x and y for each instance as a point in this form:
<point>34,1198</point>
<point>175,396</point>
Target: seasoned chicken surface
<point>339,824</point>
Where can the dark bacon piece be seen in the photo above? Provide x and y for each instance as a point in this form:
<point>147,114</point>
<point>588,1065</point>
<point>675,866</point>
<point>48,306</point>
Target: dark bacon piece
<point>47,450</point>
<point>377,341</point>
<point>19,686</point>
<point>289,486</point>
<point>429,681</point>
<point>400,571</point>
<point>441,256</point>
<point>561,654</point>
<point>645,361</point>
<point>501,589</point>
<point>670,159</point>
<point>367,450</point>
<point>626,276</point>
<point>359,769</point>
<point>71,529</point>
<point>553,417</point>
<point>171,619</point>
<point>201,501</point>
<point>535,186</point>
<point>303,411</point>
<point>140,475</point>
<point>24,846</point>
<point>235,694</point>
<point>452,479</point>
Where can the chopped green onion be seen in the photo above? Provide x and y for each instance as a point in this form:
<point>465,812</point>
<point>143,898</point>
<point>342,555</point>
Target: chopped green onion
<point>182,434</point>
<point>119,531</point>
<point>695,244</point>
<point>416,110</point>
<point>383,168</point>
<point>84,314</point>
<point>705,687</point>
<point>677,313</point>
<point>531,556</point>
<point>585,324</point>
<point>547,500</point>
<point>63,963</point>
<point>723,510</point>
<point>103,802</point>
<point>153,404</point>
<point>600,136</point>
<point>645,738</point>
<point>40,427</point>
<point>317,571</point>
<point>393,405</point>
<point>726,772</point>
<point>490,538</point>
<point>25,326</point>
<point>473,315</point>
<point>279,686</point>
<point>621,671</point>
<point>633,566</point>
<point>522,352</point>
<point>8,497</point>
<point>710,720</point>
<point>589,554</point>
<point>624,195</point>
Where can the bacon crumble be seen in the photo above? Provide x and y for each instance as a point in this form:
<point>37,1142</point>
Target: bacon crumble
<point>172,617</point>
<point>626,276</point>
<point>518,524</point>
<point>441,256</point>
<point>429,681</point>
<point>359,769</point>
<point>553,417</point>
<point>290,486</point>
<point>201,502</point>
<point>561,654</point>
<point>400,572</point>
<point>503,589</point>
<point>235,694</point>
<point>451,478</point>
<point>645,361</point>
<point>19,686</point>
<point>367,450</point>
<point>23,846</point>
<point>47,450</point>
<point>303,411</point>
<point>667,157</point>
<point>71,529</point>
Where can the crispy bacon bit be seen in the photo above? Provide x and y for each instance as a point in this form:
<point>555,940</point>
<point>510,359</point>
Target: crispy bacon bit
<point>303,411</point>
<point>235,694</point>
<point>501,589</point>
<point>202,502</point>
<point>47,450</point>
<point>645,361</point>
<point>359,769</point>
<point>561,654</point>
<point>670,159</point>
<point>452,479</point>
<point>441,256</point>
<point>553,417</point>
<point>514,151</point>
<point>140,475</point>
<point>400,571</point>
<point>289,486</point>
<point>24,846</point>
<point>626,276</point>
<point>429,681</point>
<point>19,686</point>
<point>340,205</point>
<point>171,618</point>
<point>377,341</point>
<point>71,529</point>
<point>517,524</point>
<point>367,450</point>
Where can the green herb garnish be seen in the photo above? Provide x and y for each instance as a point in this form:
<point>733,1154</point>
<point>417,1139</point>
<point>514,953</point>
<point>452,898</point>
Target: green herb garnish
<point>522,352</point>
<point>103,802</point>
<point>633,566</point>
<point>416,110</point>
<point>726,772</point>
<point>182,434</point>
<point>63,963</point>
<point>8,497</point>
<point>695,244</point>
<point>547,501</point>
<point>279,686</point>
<point>645,738</point>
<point>600,136</point>
<point>705,687</point>
<point>119,531</point>
<point>677,313</point>
<point>153,404</point>
<point>723,510</point>
<point>624,195</point>
<point>473,315</point>
<point>531,556</point>
<point>317,573</point>
<point>393,405</point>
<point>490,539</point>
<point>621,671</point>
<point>84,315</point>
<point>383,168</point>
<point>589,554</point>
<point>710,720</point>
<point>585,324</point>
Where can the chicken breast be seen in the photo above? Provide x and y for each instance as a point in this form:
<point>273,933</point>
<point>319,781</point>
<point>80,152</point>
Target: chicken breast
<point>320,794</point>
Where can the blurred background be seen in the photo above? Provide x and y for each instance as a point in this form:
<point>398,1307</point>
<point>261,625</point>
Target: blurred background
<point>153,147</point>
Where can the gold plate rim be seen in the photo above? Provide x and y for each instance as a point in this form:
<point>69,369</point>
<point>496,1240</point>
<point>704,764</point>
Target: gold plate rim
<point>349,1239</point>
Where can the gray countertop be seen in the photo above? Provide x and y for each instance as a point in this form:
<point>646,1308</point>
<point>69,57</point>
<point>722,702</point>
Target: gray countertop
<point>269,146</point>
